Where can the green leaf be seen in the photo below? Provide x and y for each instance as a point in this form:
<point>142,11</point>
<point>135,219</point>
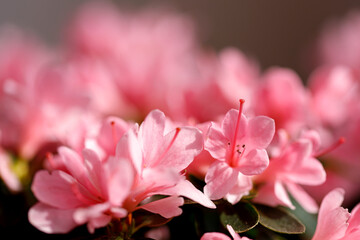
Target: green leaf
<point>242,216</point>
<point>279,220</point>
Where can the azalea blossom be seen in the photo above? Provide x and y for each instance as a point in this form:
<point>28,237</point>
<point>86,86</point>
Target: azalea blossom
<point>93,190</point>
<point>294,166</point>
<point>335,222</point>
<point>238,145</point>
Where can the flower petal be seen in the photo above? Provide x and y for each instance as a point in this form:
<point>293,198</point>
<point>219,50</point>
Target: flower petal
<point>332,219</point>
<point>254,162</point>
<point>186,146</point>
<point>51,220</point>
<point>55,189</point>
<point>167,207</point>
<point>187,189</point>
<point>260,131</point>
<point>220,179</point>
<point>120,179</point>
<point>302,197</point>
<point>151,134</point>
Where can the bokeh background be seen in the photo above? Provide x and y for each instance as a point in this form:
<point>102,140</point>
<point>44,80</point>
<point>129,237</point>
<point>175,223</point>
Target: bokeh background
<point>274,32</point>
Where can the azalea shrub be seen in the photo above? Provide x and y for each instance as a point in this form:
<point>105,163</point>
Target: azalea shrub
<point>131,130</point>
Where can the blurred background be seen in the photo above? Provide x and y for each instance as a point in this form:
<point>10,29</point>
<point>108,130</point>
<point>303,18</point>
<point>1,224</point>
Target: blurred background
<point>274,32</point>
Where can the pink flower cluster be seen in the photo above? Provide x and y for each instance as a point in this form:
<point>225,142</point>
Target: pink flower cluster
<point>84,121</point>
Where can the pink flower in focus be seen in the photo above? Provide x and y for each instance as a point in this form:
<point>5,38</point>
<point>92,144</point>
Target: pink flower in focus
<point>294,165</point>
<point>221,236</point>
<point>238,145</point>
<point>332,219</point>
<point>88,191</point>
<point>148,161</point>
<point>155,148</point>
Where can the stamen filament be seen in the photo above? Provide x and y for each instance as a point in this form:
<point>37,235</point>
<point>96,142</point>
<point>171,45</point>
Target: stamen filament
<point>232,152</point>
<point>335,145</point>
<point>113,130</point>
<point>170,145</point>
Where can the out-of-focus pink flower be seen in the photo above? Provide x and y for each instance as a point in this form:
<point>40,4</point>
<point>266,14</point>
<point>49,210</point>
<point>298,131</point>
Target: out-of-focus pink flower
<point>336,87</point>
<point>238,145</point>
<point>294,166</point>
<point>282,96</point>
<point>222,80</point>
<point>339,44</point>
<point>221,236</point>
<point>149,72</point>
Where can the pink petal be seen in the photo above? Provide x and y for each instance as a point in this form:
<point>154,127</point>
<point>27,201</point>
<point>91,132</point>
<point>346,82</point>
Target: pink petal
<point>120,179</point>
<point>51,220</point>
<point>254,162</point>
<point>354,221</point>
<point>273,194</point>
<point>94,215</point>
<point>282,195</point>
<point>260,131</point>
<point>229,125</point>
<point>214,236</point>
<point>110,133</point>
<point>75,165</point>
<point>95,171</point>
<point>241,188</point>
<point>55,189</point>
<point>302,197</point>
<point>216,143</point>
<point>166,207</point>
<point>151,134</point>
<point>220,179</point>
<point>332,218</point>
<point>187,189</point>
<point>233,233</point>
<point>187,145</point>
<point>310,172</point>
<point>129,147</point>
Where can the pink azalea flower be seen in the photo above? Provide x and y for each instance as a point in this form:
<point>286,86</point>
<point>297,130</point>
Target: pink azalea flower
<point>337,87</point>
<point>338,43</point>
<point>238,145</point>
<point>223,78</point>
<point>94,190</point>
<point>276,85</point>
<point>333,219</point>
<point>294,166</point>
<point>221,236</point>
<point>154,147</point>
<point>88,191</point>
<point>149,72</point>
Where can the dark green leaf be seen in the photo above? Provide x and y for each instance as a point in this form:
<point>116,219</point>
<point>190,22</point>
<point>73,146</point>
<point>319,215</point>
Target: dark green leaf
<point>242,216</point>
<point>279,220</point>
